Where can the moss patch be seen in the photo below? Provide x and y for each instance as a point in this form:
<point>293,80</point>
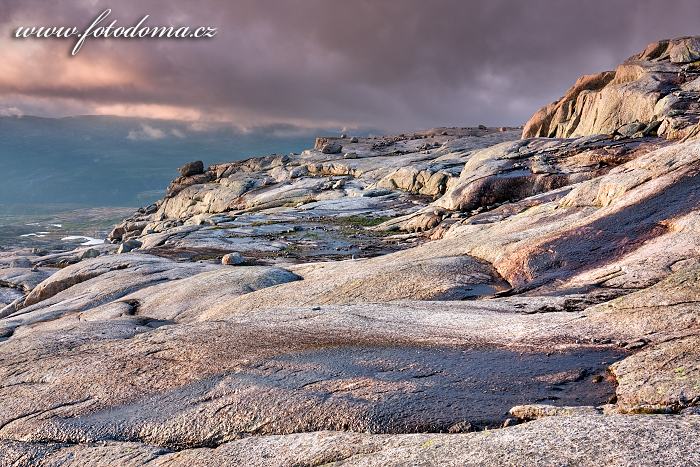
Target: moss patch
<point>360,221</point>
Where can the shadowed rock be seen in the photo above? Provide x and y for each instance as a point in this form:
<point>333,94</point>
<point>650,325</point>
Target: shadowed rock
<point>192,168</point>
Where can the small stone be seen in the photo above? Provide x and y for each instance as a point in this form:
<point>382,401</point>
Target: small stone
<point>343,136</point>
<point>117,234</point>
<point>150,209</point>
<point>350,155</point>
<point>128,245</point>
<point>638,344</point>
<point>509,422</point>
<point>460,427</point>
<point>192,168</point>
<point>537,411</point>
<point>332,147</point>
<point>482,127</point>
<point>233,259</point>
<point>597,378</point>
<point>354,139</point>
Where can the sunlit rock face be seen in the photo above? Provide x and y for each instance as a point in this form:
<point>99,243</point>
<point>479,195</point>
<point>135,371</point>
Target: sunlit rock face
<point>653,92</point>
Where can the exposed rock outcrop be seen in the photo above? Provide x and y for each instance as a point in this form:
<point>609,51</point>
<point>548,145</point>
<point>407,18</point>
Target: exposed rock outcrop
<point>654,92</point>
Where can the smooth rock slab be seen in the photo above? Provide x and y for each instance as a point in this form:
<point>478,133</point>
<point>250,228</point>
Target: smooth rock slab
<point>188,298</point>
<point>94,282</point>
<point>555,441</point>
<point>398,276</point>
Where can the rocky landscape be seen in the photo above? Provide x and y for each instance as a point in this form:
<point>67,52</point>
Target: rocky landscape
<point>456,296</point>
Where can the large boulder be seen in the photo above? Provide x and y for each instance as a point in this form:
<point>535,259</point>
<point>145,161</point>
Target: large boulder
<point>332,147</point>
<point>192,168</point>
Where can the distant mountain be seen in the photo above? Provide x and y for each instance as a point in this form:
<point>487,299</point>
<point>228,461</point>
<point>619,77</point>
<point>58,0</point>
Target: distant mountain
<point>111,161</point>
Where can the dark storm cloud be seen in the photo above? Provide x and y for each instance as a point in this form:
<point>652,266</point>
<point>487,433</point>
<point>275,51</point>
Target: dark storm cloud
<point>388,64</point>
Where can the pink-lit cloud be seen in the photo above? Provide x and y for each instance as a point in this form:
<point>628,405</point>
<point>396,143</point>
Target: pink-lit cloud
<point>369,63</point>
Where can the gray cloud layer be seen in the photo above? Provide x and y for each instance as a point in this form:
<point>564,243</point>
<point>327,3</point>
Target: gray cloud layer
<point>372,63</point>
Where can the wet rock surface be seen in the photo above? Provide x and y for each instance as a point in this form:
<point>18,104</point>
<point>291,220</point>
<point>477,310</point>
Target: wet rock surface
<point>306,377</point>
<point>392,297</point>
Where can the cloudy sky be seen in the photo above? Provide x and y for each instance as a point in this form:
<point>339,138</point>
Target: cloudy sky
<point>390,64</point>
